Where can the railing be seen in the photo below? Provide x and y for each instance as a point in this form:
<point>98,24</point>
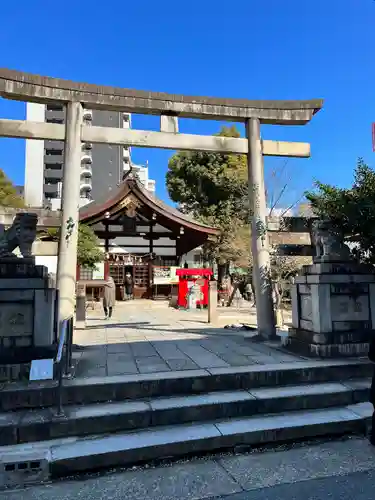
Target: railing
<point>85,183</point>
<point>86,168</point>
<point>63,358</point>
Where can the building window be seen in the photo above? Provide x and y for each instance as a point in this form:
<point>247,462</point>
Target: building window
<point>85,274</point>
<point>54,152</point>
<point>55,107</point>
<point>55,120</point>
<point>53,166</point>
<point>51,196</point>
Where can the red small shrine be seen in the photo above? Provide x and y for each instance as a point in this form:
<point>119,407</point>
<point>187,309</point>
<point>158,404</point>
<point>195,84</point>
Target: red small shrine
<point>190,277</point>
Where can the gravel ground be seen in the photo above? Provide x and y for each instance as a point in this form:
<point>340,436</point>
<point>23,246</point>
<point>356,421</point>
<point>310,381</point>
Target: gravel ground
<point>309,470</point>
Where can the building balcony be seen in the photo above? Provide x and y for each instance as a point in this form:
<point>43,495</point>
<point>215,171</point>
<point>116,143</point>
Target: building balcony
<point>87,114</point>
<point>55,159</point>
<point>86,158</point>
<point>52,115</point>
<point>151,186</point>
<point>86,169</point>
<point>54,146</point>
<point>55,107</point>
<point>86,184</point>
<point>51,190</point>
<point>53,174</point>
<point>58,121</point>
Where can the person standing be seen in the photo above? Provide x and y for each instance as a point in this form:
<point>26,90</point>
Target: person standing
<point>109,298</point>
<point>128,286</point>
<point>248,291</point>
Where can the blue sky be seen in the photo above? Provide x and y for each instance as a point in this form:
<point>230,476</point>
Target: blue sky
<point>256,49</point>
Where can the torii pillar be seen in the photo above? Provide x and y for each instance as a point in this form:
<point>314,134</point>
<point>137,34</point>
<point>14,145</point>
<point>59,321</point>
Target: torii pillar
<point>259,237</point>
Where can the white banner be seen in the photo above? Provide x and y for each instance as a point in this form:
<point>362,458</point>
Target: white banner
<point>98,273</point>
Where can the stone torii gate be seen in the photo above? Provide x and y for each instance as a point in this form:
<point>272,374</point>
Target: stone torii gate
<point>22,86</point>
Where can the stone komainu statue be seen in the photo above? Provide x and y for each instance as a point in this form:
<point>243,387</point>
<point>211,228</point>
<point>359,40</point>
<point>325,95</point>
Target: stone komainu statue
<point>21,234</point>
<point>328,242</point>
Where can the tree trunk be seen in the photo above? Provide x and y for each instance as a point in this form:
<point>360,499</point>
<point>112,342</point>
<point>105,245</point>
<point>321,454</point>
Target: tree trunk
<point>278,305</point>
<point>221,271</point>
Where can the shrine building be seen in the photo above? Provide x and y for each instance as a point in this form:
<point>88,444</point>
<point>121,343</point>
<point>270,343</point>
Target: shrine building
<point>140,234</point>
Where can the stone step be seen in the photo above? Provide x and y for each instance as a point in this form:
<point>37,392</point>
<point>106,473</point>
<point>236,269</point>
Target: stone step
<point>38,425</point>
<point>15,396</point>
<point>63,457</point>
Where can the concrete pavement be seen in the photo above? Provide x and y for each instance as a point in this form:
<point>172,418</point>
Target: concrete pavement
<point>147,337</point>
<point>358,486</point>
<point>338,470</point>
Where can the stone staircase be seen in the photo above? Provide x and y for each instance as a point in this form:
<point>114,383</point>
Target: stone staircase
<point>123,420</point>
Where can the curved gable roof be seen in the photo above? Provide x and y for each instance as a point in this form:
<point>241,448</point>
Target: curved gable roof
<point>99,207</point>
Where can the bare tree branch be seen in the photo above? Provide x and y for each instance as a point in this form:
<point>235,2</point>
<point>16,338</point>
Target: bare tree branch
<point>292,205</point>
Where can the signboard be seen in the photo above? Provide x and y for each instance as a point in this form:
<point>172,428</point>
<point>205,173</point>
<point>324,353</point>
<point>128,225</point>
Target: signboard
<point>162,275</point>
<point>165,275</point>
<point>174,277</point>
<point>41,369</point>
<point>98,273</point>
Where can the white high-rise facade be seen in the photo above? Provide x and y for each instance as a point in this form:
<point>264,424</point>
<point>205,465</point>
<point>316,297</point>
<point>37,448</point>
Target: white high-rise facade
<point>102,166</point>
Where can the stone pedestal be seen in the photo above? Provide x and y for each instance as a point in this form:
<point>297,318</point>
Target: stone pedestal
<point>212,302</point>
<point>80,306</point>
<point>333,309</point>
<point>27,317</point>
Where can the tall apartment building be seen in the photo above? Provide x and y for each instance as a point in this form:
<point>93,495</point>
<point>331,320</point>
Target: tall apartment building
<point>102,165</point>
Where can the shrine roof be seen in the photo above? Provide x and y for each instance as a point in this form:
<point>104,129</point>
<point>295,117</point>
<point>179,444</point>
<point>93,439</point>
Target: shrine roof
<point>111,202</point>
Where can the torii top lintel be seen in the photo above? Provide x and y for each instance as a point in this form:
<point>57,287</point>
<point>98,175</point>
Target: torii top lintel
<point>43,89</point>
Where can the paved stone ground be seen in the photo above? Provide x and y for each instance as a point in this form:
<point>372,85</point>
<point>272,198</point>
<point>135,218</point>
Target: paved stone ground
<point>337,470</point>
<point>147,337</point>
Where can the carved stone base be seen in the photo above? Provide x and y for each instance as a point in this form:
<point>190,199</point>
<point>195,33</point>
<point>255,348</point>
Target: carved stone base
<point>27,317</point>
<point>21,268</point>
<point>15,372</point>
<point>338,337</point>
<point>345,350</point>
<point>21,355</point>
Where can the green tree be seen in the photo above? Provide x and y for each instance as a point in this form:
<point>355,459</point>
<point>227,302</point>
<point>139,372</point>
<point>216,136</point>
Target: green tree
<point>88,251</point>
<point>8,193</point>
<point>350,211</point>
<point>205,184</point>
<point>213,187</point>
